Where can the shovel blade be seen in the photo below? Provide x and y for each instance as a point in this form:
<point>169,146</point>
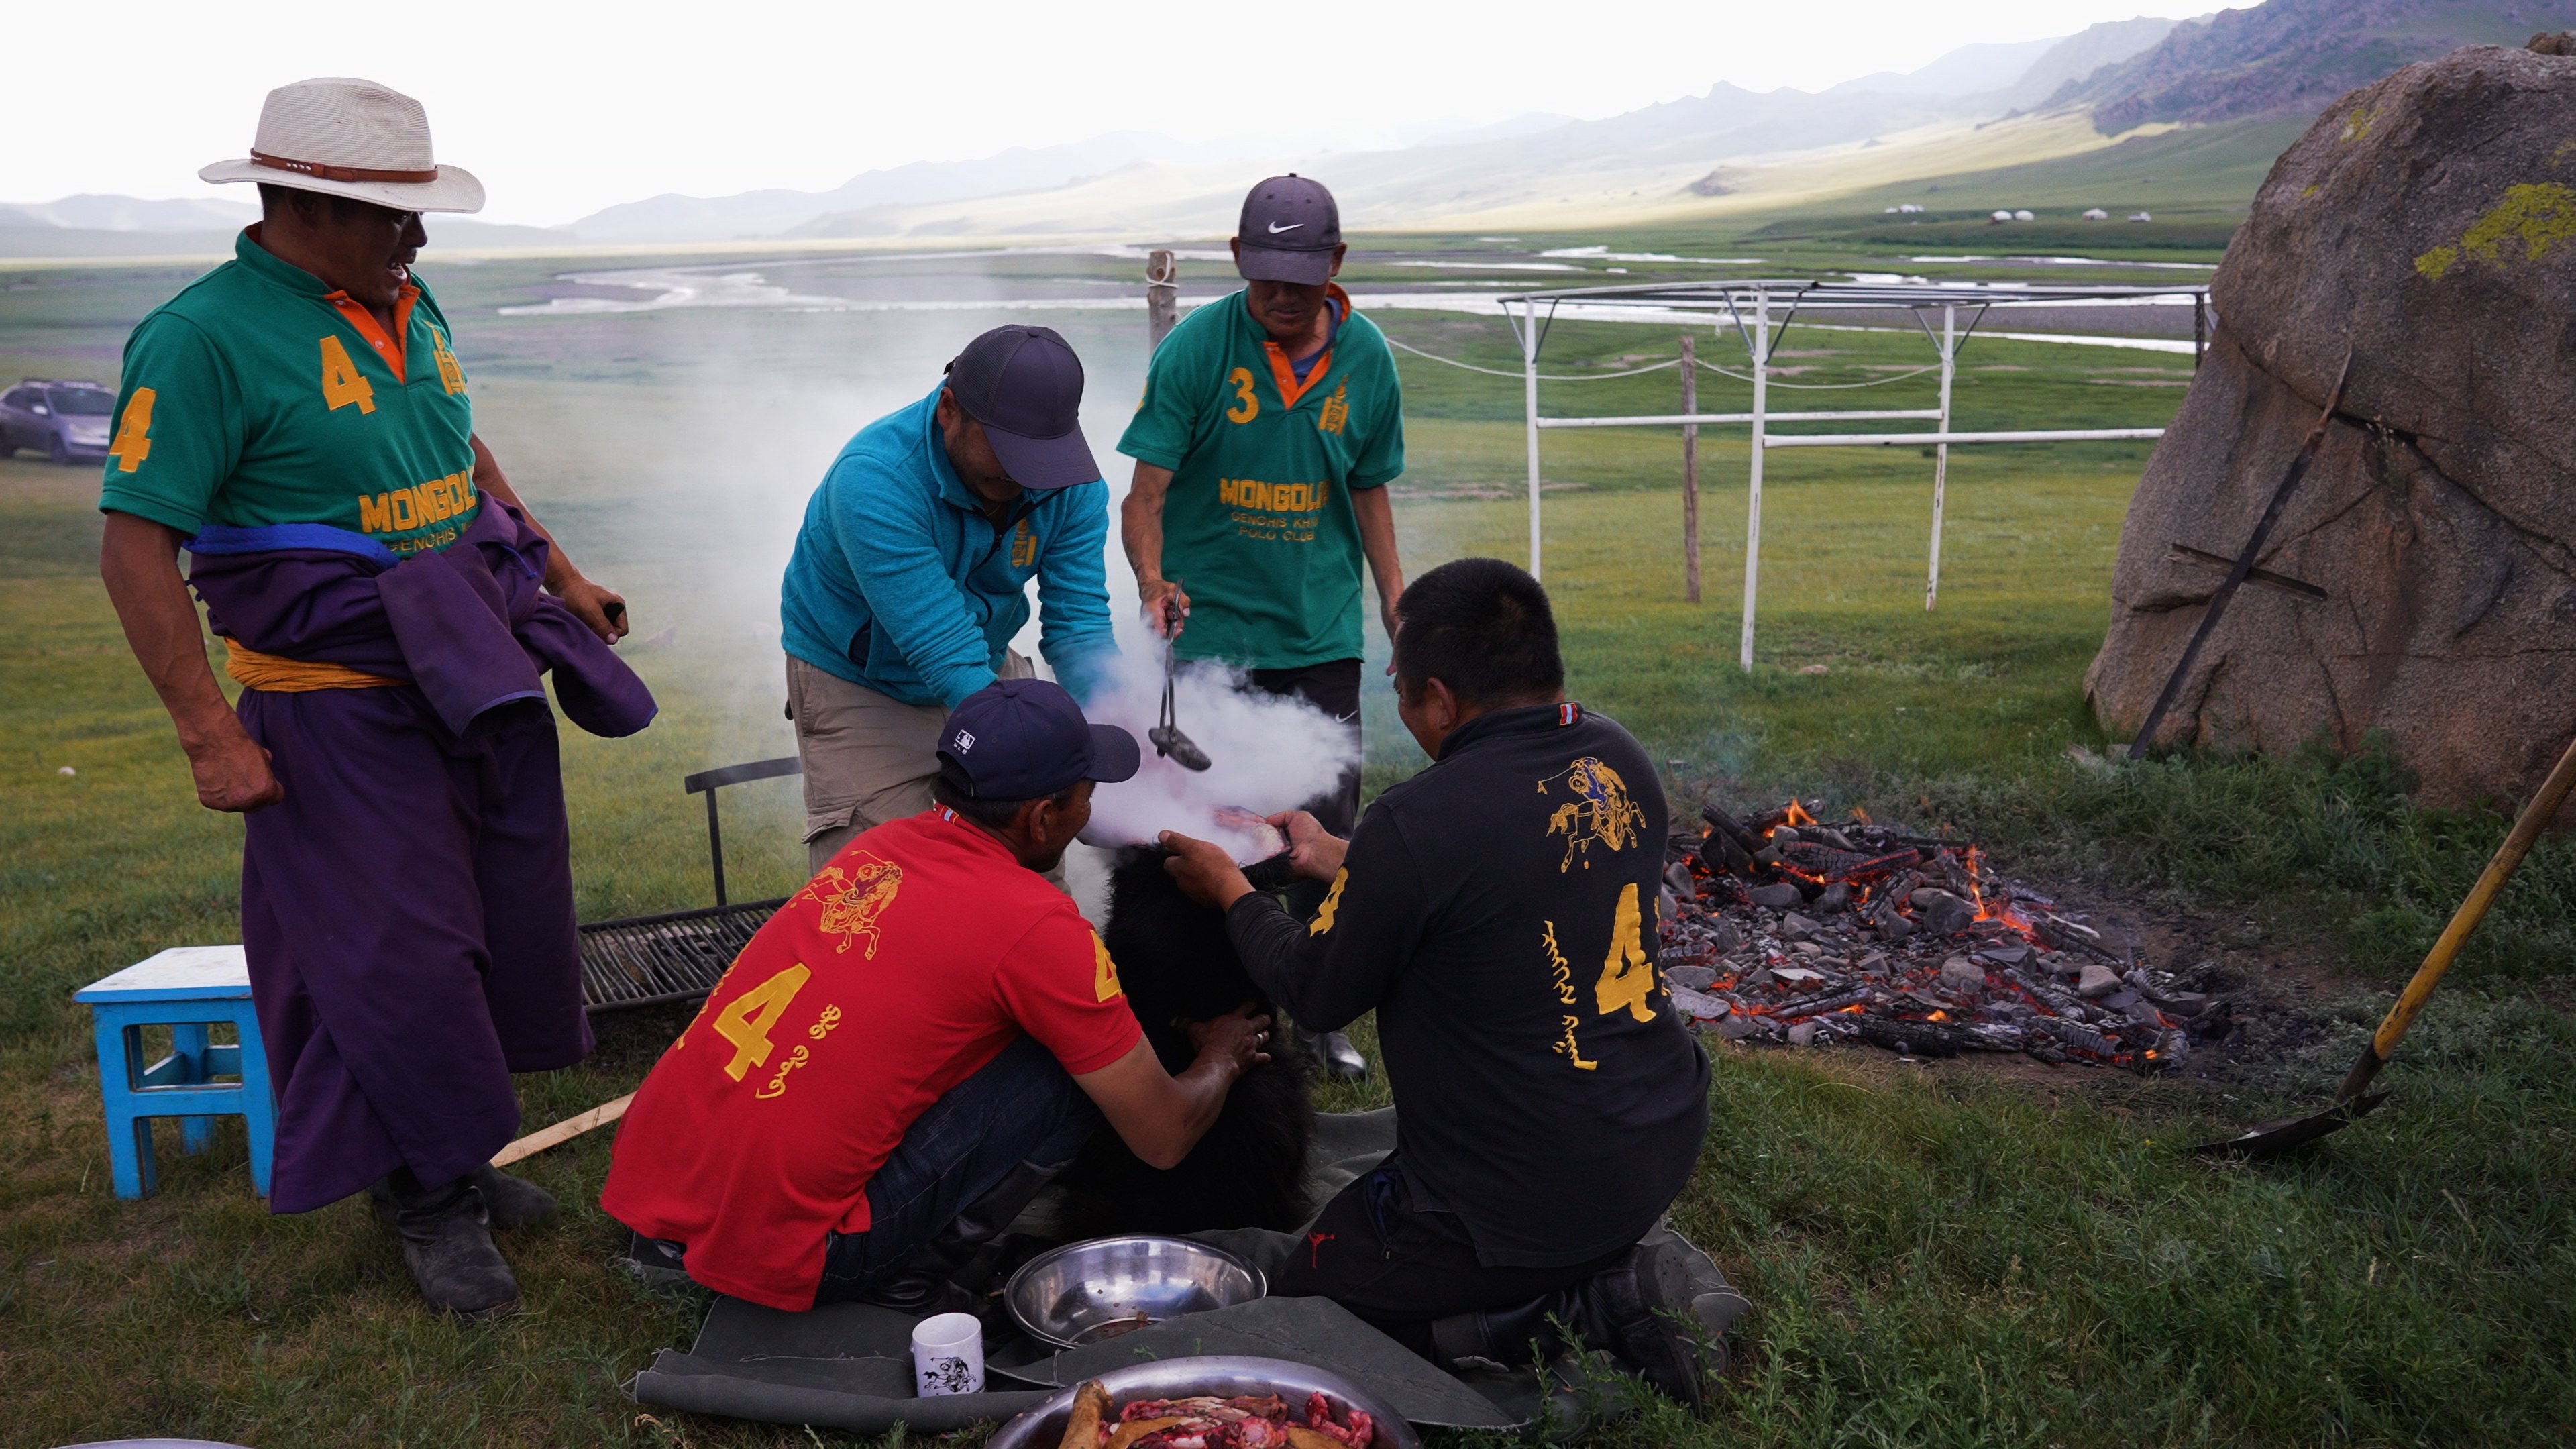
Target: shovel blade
<point>1176,747</point>
<point>2289,1132</point>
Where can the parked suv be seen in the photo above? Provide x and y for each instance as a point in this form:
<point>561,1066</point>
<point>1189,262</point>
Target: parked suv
<point>66,421</point>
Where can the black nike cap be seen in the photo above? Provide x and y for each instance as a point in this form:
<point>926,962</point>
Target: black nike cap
<point>1288,231</point>
<point>1025,386</point>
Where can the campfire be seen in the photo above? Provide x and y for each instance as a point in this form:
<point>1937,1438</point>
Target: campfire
<point>1783,929</point>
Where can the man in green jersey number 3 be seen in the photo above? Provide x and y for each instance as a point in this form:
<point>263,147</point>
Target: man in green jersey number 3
<point>1271,424</point>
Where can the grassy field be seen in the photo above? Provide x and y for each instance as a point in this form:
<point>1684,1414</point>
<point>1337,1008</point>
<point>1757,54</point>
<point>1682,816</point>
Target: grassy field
<point>1937,1255</point>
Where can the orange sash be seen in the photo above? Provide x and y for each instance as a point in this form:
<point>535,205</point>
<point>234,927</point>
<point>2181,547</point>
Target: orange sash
<point>254,670</point>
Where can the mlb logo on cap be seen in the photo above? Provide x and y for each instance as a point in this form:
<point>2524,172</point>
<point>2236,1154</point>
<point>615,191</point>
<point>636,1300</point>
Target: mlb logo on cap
<point>1034,742</point>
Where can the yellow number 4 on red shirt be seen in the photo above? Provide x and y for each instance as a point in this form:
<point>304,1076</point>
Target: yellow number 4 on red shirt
<point>746,1020</point>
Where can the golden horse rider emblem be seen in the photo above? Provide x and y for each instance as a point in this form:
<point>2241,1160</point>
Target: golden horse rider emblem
<point>853,899</point>
<point>1600,811</point>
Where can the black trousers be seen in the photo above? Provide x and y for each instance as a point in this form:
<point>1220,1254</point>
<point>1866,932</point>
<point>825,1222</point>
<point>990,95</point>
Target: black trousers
<point>1334,688</point>
<point>1398,1265</point>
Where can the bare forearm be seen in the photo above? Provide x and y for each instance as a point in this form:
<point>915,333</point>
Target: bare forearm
<point>139,562</point>
<point>1140,522</point>
<point>1376,515</point>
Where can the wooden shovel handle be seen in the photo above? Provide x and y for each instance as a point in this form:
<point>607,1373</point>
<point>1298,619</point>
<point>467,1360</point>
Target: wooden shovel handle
<point>2517,843</point>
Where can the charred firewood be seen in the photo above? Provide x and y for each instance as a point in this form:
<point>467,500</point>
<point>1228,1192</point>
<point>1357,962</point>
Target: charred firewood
<point>1913,1038</point>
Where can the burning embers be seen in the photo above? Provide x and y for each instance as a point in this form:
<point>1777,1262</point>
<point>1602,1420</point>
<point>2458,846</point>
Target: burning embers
<point>1783,929</point>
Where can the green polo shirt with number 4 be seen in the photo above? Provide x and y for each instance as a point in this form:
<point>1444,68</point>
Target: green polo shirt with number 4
<point>1258,524</point>
<point>259,396</point>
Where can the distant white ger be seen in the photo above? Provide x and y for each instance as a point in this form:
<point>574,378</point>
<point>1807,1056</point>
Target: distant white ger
<point>351,138</point>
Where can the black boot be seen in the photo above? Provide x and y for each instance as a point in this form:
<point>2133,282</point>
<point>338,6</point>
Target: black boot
<point>1521,1336</point>
<point>1665,1310</point>
<point>448,1247</point>
<point>512,1202</point>
<point>1333,1050</point>
<point>921,1283</point>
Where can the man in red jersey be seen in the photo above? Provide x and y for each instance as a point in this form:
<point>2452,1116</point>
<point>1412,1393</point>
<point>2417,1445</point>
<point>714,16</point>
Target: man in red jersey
<point>914,1045</point>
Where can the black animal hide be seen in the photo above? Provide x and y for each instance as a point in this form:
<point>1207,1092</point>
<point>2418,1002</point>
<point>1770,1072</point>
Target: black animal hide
<point>1250,1169</point>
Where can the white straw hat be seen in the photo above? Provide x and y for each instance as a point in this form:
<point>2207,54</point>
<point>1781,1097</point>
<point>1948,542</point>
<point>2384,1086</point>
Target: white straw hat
<point>351,138</point>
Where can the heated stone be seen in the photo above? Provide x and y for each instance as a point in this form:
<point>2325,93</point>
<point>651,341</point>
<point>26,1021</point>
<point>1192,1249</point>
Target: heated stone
<point>1795,927</point>
<point>1940,912</point>
<point>2098,981</point>
<point>1779,895</point>
<point>1961,974</point>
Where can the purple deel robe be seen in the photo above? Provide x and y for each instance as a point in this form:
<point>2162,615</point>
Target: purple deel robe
<point>407,908</point>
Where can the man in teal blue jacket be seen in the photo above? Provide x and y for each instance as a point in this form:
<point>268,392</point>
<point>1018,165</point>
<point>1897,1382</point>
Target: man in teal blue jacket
<point>910,576</point>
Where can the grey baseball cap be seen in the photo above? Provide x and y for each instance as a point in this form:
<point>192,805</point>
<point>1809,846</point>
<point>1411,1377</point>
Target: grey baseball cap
<point>1288,231</point>
<point>1025,386</point>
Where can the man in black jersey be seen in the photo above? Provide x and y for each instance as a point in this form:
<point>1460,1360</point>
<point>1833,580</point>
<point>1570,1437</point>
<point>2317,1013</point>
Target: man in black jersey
<point>1497,911</point>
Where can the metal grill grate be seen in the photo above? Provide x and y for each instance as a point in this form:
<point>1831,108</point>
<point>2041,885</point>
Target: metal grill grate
<point>642,960</point>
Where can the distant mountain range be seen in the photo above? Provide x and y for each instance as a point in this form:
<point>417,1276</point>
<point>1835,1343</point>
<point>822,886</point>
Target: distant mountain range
<point>2293,57</point>
<point>1979,108</point>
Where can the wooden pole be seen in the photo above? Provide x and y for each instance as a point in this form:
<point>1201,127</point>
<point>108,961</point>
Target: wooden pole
<point>1162,295</point>
<point>563,1131</point>
<point>1690,473</point>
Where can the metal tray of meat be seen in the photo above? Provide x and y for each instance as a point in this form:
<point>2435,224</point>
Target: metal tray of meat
<point>1223,1376</point>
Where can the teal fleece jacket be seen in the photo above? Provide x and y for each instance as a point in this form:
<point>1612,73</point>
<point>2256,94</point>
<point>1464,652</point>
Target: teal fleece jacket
<point>901,584</point>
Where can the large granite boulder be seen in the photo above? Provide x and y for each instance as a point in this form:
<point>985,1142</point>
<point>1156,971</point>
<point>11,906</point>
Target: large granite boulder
<point>2428,224</point>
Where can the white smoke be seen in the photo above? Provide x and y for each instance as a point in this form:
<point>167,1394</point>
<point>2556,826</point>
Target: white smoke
<point>1266,753</point>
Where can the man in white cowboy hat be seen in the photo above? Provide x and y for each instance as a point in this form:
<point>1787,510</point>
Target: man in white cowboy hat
<point>298,421</point>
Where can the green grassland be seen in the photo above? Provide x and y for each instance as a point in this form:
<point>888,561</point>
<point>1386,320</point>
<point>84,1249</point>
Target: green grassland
<point>1937,1254</point>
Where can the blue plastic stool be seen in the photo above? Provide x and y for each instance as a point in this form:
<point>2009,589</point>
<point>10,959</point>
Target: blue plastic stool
<point>186,989</point>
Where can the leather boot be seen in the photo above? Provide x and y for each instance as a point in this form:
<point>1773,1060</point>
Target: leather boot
<point>921,1284</point>
<point>1338,1057</point>
<point>512,1202</point>
<point>448,1247</point>
<point>1664,1309</point>
<point>1517,1337</point>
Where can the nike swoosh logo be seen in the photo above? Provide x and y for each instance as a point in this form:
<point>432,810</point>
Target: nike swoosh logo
<point>1276,228</point>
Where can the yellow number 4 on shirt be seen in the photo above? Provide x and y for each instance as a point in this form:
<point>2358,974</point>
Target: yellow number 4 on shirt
<point>342,383</point>
<point>134,432</point>
<point>746,1020</point>
<point>1627,979</point>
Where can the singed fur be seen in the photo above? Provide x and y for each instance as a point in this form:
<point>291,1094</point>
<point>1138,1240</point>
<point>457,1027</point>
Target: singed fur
<point>1174,960</point>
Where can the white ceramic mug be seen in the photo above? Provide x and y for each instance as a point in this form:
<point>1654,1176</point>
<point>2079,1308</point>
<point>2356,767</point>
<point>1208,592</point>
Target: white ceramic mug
<point>948,1355</point>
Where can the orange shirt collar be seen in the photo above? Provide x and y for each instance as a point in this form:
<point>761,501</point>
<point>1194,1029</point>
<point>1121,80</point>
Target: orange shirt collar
<point>388,348</point>
<point>1283,373</point>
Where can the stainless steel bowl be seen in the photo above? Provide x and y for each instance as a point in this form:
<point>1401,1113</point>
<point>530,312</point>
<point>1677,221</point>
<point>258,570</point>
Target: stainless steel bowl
<point>1085,1292</point>
<point>1222,1375</point>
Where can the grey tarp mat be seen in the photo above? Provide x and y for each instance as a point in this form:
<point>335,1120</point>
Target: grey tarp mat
<point>848,1366</point>
<point>1314,1331</point>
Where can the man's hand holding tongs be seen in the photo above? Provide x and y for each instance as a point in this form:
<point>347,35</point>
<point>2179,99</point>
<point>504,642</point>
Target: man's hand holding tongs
<point>1166,607</point>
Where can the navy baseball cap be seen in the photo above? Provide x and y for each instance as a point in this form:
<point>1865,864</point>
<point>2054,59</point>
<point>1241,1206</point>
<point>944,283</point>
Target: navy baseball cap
<point>1288,231</point>
<point>1019,739</point>
<point>1025,386</point>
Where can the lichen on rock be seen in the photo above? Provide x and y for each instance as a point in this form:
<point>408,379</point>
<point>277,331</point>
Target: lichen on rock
<point>2426,225</point>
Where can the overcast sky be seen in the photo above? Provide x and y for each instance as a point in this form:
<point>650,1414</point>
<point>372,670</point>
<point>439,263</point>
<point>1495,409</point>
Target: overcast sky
<point>564,108</point>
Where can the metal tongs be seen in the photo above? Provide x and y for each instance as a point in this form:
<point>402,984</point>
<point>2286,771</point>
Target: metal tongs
<point>1168,740</point>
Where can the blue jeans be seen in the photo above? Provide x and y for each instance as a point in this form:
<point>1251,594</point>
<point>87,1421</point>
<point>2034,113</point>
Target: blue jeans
<point>1018,1111</point>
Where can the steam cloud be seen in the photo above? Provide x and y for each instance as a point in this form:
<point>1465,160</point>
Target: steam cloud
<point>1266,753</point>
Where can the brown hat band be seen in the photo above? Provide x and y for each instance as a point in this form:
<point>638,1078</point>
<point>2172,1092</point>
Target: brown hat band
<point>343,173</point>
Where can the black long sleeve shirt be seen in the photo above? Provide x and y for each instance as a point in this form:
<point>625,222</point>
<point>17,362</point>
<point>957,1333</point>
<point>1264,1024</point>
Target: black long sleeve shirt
<point>1498,912</point>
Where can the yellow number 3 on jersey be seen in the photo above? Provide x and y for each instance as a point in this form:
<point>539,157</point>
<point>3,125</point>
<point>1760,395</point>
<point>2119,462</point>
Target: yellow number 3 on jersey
<point>342,383</point>
<point>1246,406</point>
<point>1627,978</point>
<point>746,1020</point>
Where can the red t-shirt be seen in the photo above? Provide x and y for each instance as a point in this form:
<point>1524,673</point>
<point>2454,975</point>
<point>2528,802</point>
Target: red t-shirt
<point>919,953</point>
